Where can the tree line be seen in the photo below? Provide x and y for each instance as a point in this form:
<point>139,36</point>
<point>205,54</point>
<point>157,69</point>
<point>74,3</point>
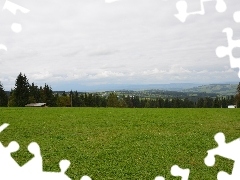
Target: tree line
<point>25,93</point>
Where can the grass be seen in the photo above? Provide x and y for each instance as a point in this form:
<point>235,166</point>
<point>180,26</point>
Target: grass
<point>112,143</point>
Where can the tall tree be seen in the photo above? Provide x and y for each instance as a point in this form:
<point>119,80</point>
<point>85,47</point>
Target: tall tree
<point>34,94</point>
<point>112,100</point>
<point>200,103</point>
<point>21,90</point>
<point>237,97</point>
<point>48,96</point>
<point>216,103</point>
<point>3,97</point>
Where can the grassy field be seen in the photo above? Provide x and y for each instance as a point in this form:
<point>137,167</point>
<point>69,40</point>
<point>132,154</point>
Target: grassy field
<point>112,143</point>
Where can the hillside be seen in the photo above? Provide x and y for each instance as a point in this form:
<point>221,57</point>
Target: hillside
<point>222,89</point>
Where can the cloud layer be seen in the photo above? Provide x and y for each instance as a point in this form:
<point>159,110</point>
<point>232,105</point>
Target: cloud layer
<point>127,41</point>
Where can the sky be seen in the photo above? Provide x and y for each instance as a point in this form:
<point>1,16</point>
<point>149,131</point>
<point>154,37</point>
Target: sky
<point>76,43</point>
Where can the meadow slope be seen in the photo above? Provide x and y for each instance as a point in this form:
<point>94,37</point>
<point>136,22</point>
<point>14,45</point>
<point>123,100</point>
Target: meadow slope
<point>114,143</point>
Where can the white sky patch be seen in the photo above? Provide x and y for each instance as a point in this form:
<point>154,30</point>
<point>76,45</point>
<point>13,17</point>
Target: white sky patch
<point>130,41</point>
<point>110,1</point>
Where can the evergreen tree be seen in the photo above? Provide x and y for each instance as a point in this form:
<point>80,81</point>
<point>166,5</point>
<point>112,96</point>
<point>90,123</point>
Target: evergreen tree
<point>208,102</point>
<point>75,99</point>
<point>112,100</point>
<point>216,103</point>
<point>47,96</point>
<point>3,97</point>
<point>21,90</point>
<point>161,102</point>
<point>224,103</point>
<point>98,100</point>
<point>128,101</point>
<point>82,100</point>
<point>12,101</point>
<point>167,103</point>
<point>200,103</point>
<point>237,97</point>
<point>34,93</point>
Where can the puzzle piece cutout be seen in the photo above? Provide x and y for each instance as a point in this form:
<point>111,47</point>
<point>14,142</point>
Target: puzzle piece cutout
<point>222,51</point>
<point>236,17</point>
<point>13,8</point>
<point>33,169</point>
<point>3,47</point>
<point>182,7</point>
<point>177,171</point>
<point>3,126</point>
<point>227,150</point>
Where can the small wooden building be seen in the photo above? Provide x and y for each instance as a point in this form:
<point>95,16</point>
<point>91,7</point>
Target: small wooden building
<point>36,105</point>
<point>232,106</point>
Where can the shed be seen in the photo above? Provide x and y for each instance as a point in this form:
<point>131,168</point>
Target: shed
<point>36,105</point>
<point>232,106</point>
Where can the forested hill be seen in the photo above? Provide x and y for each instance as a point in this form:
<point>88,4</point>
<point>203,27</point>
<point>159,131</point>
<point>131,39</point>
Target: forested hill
<point>222,89</point>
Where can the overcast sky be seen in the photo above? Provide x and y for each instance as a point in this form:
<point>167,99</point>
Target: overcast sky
<point>68,44</point>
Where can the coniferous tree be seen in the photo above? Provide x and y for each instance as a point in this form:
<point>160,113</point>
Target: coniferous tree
<point>216,103</point>
<point>12,101</point>
<point>223,102</point>
<point>3,97</point>
<point>21,91</point>
<point>200,103</point>
<point>34,94</point>
<point>237,97</point>
<point>82,100</point>
<point>161,102</point>
<point>75,99</point>
<point>112,100</point>
<point>49,96</point>
<point>128,101</point>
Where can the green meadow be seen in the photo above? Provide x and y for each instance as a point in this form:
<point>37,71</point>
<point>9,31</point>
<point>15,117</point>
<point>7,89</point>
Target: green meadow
<point>115,143</point>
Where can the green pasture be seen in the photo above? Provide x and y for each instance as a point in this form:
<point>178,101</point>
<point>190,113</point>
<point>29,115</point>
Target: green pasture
<point>119,144</point>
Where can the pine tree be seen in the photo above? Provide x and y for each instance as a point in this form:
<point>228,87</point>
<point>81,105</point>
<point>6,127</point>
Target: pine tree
<point>200,103</point>
<point>237,97</point>
<point>34,94</point>
<point>112,100</point>
<point>21,90</point>
<point>3,97</point>
<point>49,96</point>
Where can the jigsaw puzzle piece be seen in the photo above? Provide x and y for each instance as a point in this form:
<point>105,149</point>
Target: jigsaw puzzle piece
<point>7,163</point>
<point>222,51</point>
<point>182,7</point>
<point>3,47</point>
<point>223,176</point>
<point>85,178</point>
<point>64,165</point>
<point>182,11</point>
<point>177,171</point>
<point>5,125</point>
<point>236,17</point>
<point>159,178</point>
<point>12,7</point>
<point>35,164</point>
<point>221,6</point>
<point>17,28</point>
<point>227,150</point>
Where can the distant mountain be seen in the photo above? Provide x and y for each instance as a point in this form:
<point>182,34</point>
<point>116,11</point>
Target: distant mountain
<point>135,87</point>
<point>222,89</point>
